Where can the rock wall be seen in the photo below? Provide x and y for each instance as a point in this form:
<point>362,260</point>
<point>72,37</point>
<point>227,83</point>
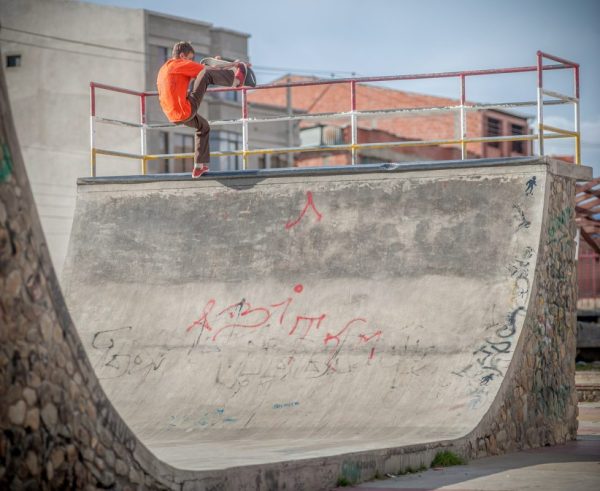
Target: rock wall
<point>538,402</point>
<point>57,430</point>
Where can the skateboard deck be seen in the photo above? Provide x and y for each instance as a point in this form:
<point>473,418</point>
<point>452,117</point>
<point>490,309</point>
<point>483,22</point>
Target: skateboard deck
<point>224,63</point>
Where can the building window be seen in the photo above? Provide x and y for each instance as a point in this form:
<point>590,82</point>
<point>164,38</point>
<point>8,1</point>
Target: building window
<point>13,61</point>
<point>162,54</point>
<point>229,95</point>
<point>183,144</point>
<point>493,128</point>
<point>517,146</point>
<point>225,141</point>
<point>311,137</point>
<point>198,57</point>
<point>278,161</point>
<point>158,56</point>
<point>163,147</point>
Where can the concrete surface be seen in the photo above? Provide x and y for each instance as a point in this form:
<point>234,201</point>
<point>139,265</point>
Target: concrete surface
<point>285,317</point>
<point>574,467</point>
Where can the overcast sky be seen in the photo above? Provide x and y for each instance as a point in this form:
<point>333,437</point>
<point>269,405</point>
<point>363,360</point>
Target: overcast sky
<point>385,37</point>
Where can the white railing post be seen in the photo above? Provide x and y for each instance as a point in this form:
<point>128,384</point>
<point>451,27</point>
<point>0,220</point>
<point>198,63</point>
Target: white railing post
<point>244,129</point>
<point>577,116</point>
<point>143,144</point>
<point>92,130</point>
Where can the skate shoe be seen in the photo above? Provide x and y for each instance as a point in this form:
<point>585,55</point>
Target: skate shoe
<point>198,171</point>
<point>240,74</point>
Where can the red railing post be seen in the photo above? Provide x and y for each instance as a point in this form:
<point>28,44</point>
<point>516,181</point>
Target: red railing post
<point>353,129</point>
<point>540,103</point>
<point>463,118</point>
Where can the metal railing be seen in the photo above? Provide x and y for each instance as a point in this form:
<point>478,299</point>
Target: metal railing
<point>543,131</point>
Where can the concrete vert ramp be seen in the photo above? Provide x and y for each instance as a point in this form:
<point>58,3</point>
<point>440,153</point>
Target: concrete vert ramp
<point>280,330</point>
<point>249,320</point>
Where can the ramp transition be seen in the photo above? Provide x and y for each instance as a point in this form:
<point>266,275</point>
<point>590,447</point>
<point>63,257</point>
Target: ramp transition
<point>292,316</point>
<point>285,329</point>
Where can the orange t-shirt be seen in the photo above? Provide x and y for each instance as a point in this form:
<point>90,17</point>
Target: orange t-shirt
<point>173,82</point>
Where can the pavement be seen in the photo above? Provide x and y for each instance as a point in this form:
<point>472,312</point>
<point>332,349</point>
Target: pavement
<point>571,467</point>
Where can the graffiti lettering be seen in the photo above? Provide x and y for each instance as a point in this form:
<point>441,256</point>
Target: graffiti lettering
<point>520,215</point>
<point>242,317</point>
<point>116,361</point>
<point>558,229</point>
<point>309,204</point>
<point>492,356</point>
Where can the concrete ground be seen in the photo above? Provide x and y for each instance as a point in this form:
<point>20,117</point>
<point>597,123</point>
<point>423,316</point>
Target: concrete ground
<point>572,467</point>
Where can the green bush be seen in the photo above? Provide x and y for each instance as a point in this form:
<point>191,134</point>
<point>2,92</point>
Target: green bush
<point>342,482</point>
<point>446,459</point>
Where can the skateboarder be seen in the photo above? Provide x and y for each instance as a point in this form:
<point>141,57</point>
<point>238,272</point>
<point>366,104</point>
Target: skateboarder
<point>181,107</point>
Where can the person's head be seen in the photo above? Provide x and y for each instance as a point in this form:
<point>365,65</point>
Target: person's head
<point>183,49</point>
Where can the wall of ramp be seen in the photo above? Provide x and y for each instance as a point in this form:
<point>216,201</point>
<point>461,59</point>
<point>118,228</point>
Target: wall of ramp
<point>245,320</point>
<point>305,327</point>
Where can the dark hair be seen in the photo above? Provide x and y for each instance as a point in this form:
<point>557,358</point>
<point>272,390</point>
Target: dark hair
<point>182,47</point>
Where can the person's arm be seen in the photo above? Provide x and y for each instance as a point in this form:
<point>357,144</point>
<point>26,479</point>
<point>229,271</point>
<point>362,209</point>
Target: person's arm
<point>187,67</point>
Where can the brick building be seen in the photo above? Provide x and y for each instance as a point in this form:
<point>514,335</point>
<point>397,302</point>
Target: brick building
<point>414,127</point>
<point>587,216</point>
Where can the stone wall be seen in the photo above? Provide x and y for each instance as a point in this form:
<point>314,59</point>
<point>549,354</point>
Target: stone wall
<point>538,402</point>
<point>57,430</point>
<point>588,393</point>
<point>588,385</point>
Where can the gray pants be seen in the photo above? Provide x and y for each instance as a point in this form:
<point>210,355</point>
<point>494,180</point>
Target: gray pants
<point>208,76</point>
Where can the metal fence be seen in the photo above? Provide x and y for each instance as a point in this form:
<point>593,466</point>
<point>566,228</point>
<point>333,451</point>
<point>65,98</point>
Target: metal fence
<point>543,131</point>
<point>588,272</point>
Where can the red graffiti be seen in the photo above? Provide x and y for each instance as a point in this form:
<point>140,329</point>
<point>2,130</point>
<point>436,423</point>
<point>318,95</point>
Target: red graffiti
<point>243,315</point>
<point>311,321</point>
<point>366,339</point>
<point>309,204</point>
<point>203,320</point>
<point>287,303</point>
<point>336,337</point>
<point>263,316</point>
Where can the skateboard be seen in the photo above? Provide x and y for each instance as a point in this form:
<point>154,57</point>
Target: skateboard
<point>224,63</point>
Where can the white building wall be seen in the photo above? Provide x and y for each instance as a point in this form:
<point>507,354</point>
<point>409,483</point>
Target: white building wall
<point>50,95</point>
<point>50,98</point>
